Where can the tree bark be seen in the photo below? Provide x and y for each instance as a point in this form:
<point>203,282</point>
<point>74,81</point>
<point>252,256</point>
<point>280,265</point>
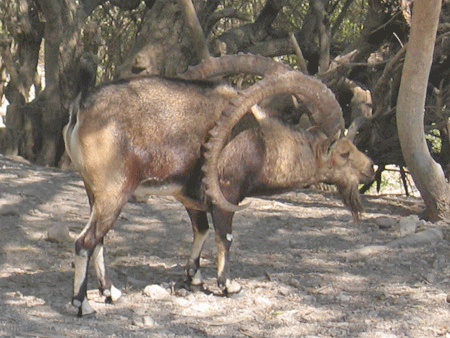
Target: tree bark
<point>427,174</point>
<point>62,54</point>
<point>161,48</point>
<point>191,20</point>
<point>323,29</point>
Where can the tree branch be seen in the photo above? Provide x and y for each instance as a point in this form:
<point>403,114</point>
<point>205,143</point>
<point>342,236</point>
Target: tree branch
<point>298,52</point>
<point>242,38</point>
<point>228,12</point>
<point>192,22</point>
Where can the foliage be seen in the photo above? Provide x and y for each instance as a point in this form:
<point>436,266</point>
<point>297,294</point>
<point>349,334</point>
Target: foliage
<point>352,23</point>
<point>115,34</point>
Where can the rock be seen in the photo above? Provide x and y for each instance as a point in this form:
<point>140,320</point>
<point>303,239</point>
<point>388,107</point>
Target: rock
<point>181,302</point>
<point>263,301</point>
<point>284,291</point>
<point>143,321</point>
<point>428,236</point>
<point>408,225</point>
<point>431,277</point>
<point>201,307</point>
<point>59,234</point>
<point>440,262</point>
<point>9,210</point>
<point>345,218</point>
<point>371,250</point>
<point>156,292</point>
<point>294,282</point>
<point>343,297</point>
<point>139,284</point>
<point>385,222</point>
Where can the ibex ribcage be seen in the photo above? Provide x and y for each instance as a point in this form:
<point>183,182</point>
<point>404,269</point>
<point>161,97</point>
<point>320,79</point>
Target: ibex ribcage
<point>152,132</point>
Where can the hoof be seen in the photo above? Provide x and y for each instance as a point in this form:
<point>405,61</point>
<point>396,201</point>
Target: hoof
<point>198,288</point>
<point>194,277</point>
<point>84,308</point>
<point>189,286</point>
<point>112,295</point>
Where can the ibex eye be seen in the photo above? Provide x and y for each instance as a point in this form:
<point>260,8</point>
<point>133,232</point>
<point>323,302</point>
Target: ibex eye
<point>345,155</point>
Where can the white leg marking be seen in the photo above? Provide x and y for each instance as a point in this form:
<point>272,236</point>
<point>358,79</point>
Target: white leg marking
<point>86,228</point>
<point>100,269</point>
<point>220,261</point>
<point>197,246</point>
<point>220,255</point>
<point>86,308</point>
<point>81,262</point>
<point>115,293</point>
<point>197,279</point>
<point>99,264</point>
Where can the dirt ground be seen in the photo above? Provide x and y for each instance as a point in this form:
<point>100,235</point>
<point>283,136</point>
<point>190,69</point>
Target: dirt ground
<point>305,268</point>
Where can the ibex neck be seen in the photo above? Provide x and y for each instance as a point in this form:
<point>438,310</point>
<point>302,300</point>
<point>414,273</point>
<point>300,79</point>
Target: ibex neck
<point>291,158</point>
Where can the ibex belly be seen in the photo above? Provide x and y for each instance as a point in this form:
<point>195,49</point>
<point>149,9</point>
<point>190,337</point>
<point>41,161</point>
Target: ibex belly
<point>147,189</point>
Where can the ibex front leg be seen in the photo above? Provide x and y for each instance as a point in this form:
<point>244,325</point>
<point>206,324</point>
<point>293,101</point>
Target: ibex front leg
<point>222,225</point>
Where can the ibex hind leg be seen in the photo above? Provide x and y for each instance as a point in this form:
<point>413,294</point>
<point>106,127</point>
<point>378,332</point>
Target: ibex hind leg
<point>111,293</point>
<point>90,245</point>
<point>200,228</point>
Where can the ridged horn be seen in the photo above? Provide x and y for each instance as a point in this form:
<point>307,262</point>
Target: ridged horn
<point>232,65</point>
<point>327,115</point>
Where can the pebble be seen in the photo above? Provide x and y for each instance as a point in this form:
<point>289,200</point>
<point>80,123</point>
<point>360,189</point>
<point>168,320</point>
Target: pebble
<point>143,321</point>
<point>408,225</point>
<point>156,292</point>
<point>440,262</point>
<point>385,222</point>
<point>59,233</point>
<point>263,301</point>
<point>294,282</point>
<point>181,302</point>
<point>284,291</point>
<point>344,297</point>
<point>9,210</point>
<point>345,218</point>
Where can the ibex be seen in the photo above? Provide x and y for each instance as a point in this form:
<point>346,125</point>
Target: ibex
<point>153,132</point>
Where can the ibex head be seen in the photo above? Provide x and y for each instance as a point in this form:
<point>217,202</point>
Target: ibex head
<point>345,166</point>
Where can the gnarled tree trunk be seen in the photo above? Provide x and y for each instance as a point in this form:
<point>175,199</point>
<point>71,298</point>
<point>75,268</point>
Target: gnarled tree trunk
<point>427,174</point>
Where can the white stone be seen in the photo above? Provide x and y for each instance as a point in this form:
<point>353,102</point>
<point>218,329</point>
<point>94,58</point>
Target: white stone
<point>156,292</point>
<point>408,225</point>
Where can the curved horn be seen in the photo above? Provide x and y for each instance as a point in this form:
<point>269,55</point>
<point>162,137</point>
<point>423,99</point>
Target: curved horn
<point>234,64</point>
<point>327,115</point>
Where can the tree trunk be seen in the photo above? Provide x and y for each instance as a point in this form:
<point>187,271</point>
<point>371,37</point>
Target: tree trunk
<point>323,31</point>
<point>162,47</point>
<point>427,174</point>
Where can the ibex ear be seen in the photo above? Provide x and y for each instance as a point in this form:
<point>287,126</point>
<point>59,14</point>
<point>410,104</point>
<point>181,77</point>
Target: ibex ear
<point>331,141</point>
